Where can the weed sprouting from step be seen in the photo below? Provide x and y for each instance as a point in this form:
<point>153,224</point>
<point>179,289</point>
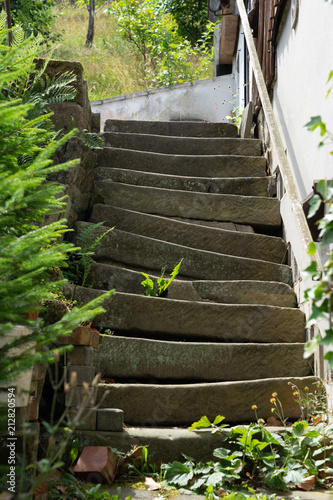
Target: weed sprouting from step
<point>161,283</point>
<point>253,456</point>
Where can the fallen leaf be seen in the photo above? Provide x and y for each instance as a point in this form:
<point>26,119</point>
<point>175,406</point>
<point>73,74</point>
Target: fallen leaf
<point>151,485</point>
<point>274,422</point>
<point>308,483</point>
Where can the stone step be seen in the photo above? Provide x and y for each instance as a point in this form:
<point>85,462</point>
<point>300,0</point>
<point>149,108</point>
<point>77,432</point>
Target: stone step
<point>197,361</point>
<point>190,320</point>
<point>180,129</point>
<point>183,145</point>
<point>158,405</point>
<point>250,245</point>
<point>261,212</point>
<point>197,166</point>
<point>108,277</point>
<point>244,186</point>
<point>148,253</point>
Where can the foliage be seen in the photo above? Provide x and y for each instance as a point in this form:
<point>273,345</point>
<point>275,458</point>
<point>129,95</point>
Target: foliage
<point>168,58</point>
<point>191,17</point>
<point>161,284</point>
<point>105,71</point>
<point>321,293</point>
<point>252,455</point>
<point>35,17</point>
<point>205,423</point>
<point>29,251</point>
<point>81,259</point>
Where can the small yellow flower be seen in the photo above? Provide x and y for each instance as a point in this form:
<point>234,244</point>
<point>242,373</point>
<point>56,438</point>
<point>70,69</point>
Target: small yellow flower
<point>306,388</point>
<point>254,407</point>
<point>273,400</point>
<point>274,394</point>
<point>295,393</point>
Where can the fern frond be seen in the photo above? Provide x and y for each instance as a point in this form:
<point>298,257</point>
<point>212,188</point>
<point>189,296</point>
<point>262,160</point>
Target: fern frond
<point>92,140</point>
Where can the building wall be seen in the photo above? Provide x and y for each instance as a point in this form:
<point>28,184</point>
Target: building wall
<point>304,61</point>
<point>200,100</point>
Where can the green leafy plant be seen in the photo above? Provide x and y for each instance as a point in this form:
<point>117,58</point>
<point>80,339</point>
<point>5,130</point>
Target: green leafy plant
<point>204,423</point>
<point>35,17</point>
<point>161,284</point>
<point>168,57</point>
<point>29,250</point>
<point>321,293</point>
<point>81,259</point>
<point>252,455</point>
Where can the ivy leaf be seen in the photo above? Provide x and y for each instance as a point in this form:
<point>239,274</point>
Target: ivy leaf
<point>315,122</point>
<point>329,358</point>
<point>312,248</point>
<point>315,204</point>
<point>311,346</point>
<point>321,188</point>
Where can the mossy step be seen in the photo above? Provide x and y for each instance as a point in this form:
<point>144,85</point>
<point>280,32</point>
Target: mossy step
<point>256,211</point>
<point>161,318</point>
<point>183,145</point>
<point>153,405</point>
<point>189,165</point>
<point>176,128</point>
<point>108,277</point>
<point>148,359</point>
<point>244,186</point>
<point>148,253</point>
<point>250,245</point>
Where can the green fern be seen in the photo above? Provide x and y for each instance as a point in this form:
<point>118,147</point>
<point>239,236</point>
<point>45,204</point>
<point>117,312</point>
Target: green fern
<point>82,259</point>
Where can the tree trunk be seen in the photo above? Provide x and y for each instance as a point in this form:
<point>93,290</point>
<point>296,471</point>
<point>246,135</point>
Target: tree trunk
<point>6,7</point>
<point>90,33</point>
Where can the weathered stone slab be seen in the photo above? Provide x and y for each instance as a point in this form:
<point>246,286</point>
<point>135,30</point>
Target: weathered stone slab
<point>199,166</point>
<point>252,210</point>
<point>184,145</point>
<point>197,320</point>
<point>198,361</point>
<point>180,129</point>
<point>108,277</point>
<point>155,405</point>
<point>142,252</point>
<point>250,245</point>
<point>246,292</point>
<point>110,419</point>
<point>244,186</point>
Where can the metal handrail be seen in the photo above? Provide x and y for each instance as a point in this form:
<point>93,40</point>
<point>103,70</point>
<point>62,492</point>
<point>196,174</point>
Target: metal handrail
<point>284,166</point>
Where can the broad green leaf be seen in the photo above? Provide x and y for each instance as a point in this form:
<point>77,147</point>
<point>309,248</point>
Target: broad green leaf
<point>218,419</point>
<point>329,358</point>
<point>315,204</point>
<point>203,423</point>
<point>312,248</point>
<point>299,428</point>
<point>321,188</point>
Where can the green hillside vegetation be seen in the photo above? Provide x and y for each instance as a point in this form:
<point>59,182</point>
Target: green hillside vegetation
<point>113,65</point>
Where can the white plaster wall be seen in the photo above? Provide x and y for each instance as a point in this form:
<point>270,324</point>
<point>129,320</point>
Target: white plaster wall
<point>304,61</point>
<point>199,100</point>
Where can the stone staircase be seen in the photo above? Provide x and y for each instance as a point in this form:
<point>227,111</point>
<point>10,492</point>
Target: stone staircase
<point>228,334</point>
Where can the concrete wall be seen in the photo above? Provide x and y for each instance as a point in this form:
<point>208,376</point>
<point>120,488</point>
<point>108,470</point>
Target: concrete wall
<point>199,100</point>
